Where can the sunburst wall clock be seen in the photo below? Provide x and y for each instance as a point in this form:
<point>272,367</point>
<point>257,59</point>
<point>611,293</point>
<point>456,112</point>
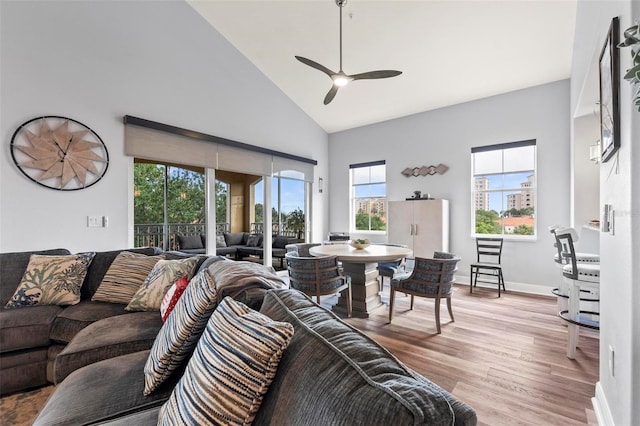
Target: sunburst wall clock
<point>59,153</point>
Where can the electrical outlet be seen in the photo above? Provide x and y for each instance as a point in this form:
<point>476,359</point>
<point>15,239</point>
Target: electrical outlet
<point>611,361</point>
<point>94,221</point>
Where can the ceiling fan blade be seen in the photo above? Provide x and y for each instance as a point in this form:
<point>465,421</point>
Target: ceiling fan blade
<point>331,94</point>
<point>376,74</point>
<point>316,65</point>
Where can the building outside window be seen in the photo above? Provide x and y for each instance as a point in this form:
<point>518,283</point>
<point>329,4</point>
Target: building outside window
<point>368,196</point>
<point>503,190</point>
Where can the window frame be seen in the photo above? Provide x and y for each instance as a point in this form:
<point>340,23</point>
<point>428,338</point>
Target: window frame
<point>474,192</point>
<point>353,199</point>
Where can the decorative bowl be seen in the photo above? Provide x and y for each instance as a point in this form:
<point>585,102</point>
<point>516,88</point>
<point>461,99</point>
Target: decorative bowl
<point>359,245</point>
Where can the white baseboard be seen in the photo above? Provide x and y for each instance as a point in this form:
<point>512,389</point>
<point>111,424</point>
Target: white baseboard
<point>601,408</point>
<point>510,285</point>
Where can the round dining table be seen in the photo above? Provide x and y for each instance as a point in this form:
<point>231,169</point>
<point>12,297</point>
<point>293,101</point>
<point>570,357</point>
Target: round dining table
<point>362,266</point>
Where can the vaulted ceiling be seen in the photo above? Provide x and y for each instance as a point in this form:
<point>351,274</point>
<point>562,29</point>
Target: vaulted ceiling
<point>450,51</point>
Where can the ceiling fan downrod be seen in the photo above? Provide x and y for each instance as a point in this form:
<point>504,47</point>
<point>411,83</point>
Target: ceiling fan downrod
<point>341,78</point>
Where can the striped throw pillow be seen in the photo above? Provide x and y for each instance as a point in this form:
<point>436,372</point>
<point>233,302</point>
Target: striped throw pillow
<point>180,333</point>
<point>124,277</point>
<point>231,369</point>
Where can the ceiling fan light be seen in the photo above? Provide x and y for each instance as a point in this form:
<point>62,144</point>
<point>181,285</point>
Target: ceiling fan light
<point>341,81</point>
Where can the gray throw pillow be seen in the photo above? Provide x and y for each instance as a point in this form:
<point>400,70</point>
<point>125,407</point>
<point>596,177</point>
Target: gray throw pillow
<point>280,242</point>
<point>220,241</point>
<point>253,241</point>
<point>189,242</point>
<point>233,239</point>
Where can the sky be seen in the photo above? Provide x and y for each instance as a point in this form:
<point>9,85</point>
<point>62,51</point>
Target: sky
<point>292,194</point>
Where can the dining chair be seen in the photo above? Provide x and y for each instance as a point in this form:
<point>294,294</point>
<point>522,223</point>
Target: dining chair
<point>389,269</point>
<point>318,276</point>
<point>489,257</point>
<point>301,248</point>
<point>562,291</point>
<point>430,278</point>
<point>580,277</point>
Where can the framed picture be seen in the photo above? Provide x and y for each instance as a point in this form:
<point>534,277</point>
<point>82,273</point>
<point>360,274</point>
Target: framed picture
<point>609,88</point>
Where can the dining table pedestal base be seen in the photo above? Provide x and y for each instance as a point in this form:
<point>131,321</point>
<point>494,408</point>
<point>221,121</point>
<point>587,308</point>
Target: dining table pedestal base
<point>364,289</point>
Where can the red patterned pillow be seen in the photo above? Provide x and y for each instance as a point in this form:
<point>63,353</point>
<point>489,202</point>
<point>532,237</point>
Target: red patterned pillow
<point>171,298</point>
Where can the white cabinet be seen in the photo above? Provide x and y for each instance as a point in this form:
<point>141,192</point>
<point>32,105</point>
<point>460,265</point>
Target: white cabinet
<point>422,225</point>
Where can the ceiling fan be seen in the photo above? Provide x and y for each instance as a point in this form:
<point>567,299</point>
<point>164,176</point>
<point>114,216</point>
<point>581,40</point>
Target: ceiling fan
<point>340,78</point>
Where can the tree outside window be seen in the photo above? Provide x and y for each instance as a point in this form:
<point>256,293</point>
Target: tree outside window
<point>503,193</point>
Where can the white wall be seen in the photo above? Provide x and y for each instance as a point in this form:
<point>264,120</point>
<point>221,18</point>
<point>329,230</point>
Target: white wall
<point>617,395</point>
<point>586,173</point>
<point>446,136</point>
<point>97,61</point>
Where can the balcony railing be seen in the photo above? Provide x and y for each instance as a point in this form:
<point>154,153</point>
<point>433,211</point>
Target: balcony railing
<point>276,229</point>
<point>156,234</point>
<point>163,236</point>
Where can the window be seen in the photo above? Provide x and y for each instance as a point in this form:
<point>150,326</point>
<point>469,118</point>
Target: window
<point>223,207</point>
<point>169,199</point>
<point>368,196</point>
<point>503,191</point>
<point>288,208</point>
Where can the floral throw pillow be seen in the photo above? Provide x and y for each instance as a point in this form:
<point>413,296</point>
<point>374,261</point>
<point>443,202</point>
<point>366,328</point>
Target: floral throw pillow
<point>52,280</point>
<point>163,275</point>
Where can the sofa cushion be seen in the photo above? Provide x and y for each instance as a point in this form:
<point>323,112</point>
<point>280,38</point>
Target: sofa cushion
<point>20,370</point>
<point>108,338</point>
<point>124,277</point>
<point>180,333</point>
<point>27,327</point>
<point>280,242</point>
<point>74,318</point>
<point>12,267</point>
<point>220,241</point>
<point>102,391</point>
<point>254,240</point>
<point>345,366</point>
<point>234,362</point>
<point>52,280</point>
<point>250,251</point>
<point>186,242</point>
<point>164,274</point>
<point>147,416</point>
<point>236,238</point>
<point>225,251</point>
<point>52,352</point>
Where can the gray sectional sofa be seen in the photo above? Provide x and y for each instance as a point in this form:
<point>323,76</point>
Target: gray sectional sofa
<point>31,338</point>
<point>330,374</point>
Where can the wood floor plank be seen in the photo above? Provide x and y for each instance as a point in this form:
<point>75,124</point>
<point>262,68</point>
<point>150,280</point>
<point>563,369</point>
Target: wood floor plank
<point>506,357</point>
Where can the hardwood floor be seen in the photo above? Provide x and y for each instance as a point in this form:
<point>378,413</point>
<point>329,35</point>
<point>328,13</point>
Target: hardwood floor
<point>506,357</point>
